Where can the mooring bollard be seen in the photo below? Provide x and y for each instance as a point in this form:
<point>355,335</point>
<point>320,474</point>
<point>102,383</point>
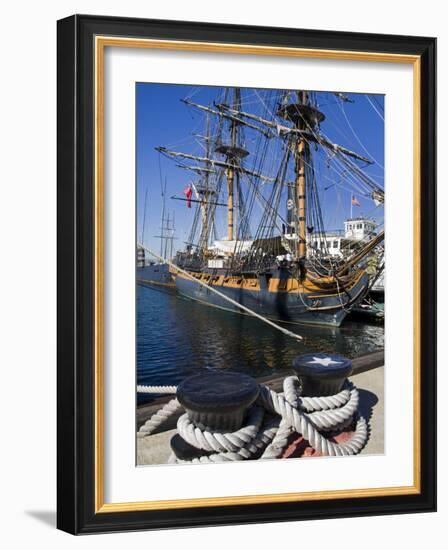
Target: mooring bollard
<point>214,402</point>
<point>322,374</point>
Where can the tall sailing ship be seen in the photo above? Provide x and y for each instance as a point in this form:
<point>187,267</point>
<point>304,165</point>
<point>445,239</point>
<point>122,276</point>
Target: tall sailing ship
<point>257,173</point>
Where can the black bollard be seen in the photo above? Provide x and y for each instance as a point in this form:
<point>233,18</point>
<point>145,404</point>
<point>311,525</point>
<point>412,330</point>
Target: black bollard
<point>216,402</point>
<point>322,373</point>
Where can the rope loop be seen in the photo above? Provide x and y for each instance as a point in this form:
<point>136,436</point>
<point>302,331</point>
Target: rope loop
<point>269,424</point>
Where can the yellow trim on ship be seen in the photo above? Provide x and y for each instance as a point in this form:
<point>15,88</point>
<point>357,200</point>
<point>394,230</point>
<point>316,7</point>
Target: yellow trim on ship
<point>158,283</point>
<point>289,285</point>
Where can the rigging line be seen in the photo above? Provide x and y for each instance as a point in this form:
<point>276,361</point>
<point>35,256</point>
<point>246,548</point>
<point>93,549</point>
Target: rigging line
<point>272,124</point>
<point>260,196</point>
<point>378,104</point>
<point>338,161</point>
<point>201,145</point>
<point>315,202</point>
<point>356,186</point>
<point>264,104</point>
<point>341,172</point>
<point>376,100</point>
<point>218,182</point>
<point>374,108</point>
<point>260,161</point>
<point>334,119</point>
<point>194,91</point>
<point>144,214</point>
<point>176,154</point>
<point>185,139</point>
<point>356,136</point>
<point>343,175</point>
<point>367,178</point>
<point>362,176</point>
<point>160,174</point>
<point>374,210</point>
<point>224,296</point>
<point>338,157</point>
<point>268,218</point>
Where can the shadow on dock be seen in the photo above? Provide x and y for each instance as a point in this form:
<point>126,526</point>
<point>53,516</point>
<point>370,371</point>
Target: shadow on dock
<point>367,401</point>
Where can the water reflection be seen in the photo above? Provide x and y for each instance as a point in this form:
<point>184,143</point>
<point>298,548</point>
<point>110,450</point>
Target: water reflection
<point>177,337</point>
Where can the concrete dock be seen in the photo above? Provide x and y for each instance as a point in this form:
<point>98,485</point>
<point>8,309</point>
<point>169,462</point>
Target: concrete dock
<point>368,376</point>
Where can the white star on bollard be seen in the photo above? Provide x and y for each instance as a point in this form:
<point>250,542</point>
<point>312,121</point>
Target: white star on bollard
<point>324,362</point>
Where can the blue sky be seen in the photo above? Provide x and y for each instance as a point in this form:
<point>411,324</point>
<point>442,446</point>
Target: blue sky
<point>163,120</point>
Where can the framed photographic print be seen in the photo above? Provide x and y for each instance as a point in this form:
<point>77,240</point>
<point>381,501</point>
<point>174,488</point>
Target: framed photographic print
<point>246,274</point>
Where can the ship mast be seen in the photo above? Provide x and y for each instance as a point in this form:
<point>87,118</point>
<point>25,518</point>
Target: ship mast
<point>301,152</point>
<point>233,153</point>
<point>166,229</point>
<point>306,119</point>
<point>205,205</point>
<point>230,173</point>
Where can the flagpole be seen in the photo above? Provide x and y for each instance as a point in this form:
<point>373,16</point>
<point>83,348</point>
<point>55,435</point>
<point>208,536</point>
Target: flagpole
<point>351,206</point>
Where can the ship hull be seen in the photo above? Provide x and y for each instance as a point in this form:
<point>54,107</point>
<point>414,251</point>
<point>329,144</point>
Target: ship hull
<point>156,274</point>
<point>293,307</point>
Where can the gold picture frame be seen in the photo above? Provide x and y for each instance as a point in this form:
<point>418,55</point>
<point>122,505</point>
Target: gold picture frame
<point>102,33</point>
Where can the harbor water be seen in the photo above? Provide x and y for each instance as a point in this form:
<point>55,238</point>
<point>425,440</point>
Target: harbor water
<point>177,337</point>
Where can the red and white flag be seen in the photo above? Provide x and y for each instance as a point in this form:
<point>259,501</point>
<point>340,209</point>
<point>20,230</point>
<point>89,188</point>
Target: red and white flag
<point>355,201</point>
<point>188,192</point>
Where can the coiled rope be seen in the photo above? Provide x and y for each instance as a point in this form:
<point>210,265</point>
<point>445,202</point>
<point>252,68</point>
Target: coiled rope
<point>269,423</point>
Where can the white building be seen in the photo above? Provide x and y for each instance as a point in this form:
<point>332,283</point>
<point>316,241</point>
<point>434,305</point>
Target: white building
<point>359,229</point>
<point>335,243</point>
<point>141,256</point>
<point>223,249</point>
<point>330,244</point>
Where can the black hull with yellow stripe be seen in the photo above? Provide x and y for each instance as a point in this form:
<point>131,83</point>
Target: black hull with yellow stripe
<point>278,295</point>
